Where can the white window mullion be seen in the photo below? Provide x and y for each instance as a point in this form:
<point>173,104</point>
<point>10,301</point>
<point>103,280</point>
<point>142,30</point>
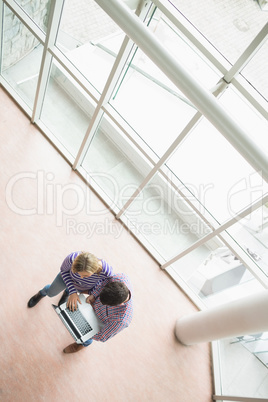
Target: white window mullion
<point>120,62</point>
<point>1,32</point>
<point>76,75</point>
<point>53,23</point>
<point>105,97</point>
<point>216,91</point>
<point>194,36</point>
<point>251,94</point>
<point>247,55</point>
<point>27,20</point>
<point>218,230</point>
<point>161,161</point>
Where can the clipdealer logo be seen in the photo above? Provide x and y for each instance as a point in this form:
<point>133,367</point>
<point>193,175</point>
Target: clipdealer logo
<point>158,210</point>
<point>49,198</point>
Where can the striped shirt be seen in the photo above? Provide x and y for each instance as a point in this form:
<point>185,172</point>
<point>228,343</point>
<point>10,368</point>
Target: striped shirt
<point>115,318</point>
<point>75,283</point>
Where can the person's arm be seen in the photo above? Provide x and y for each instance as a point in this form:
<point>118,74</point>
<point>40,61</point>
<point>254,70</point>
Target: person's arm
<point>108,331</point>
<point>66,275</point>
<point>90,299</point>
<point>97,289</point>
<point>65,272</point>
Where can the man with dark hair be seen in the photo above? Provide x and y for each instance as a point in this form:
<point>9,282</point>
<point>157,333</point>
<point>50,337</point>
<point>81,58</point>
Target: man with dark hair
<point>114,293</point>
<point>113,304</point>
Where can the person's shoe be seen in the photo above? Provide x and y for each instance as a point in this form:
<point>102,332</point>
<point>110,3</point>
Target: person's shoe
<point>35,299</point>
<point>73,348</point>
<point>64,298</point>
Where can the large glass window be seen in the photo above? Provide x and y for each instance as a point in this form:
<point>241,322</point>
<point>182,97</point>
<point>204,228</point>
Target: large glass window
<point>151,104</point>
<point>184,51</point>
<point>67,109</point>
<point>164,219</point>
<point>37,10</point>
<point>215,274</point>
<point>114,164</point>
<point>229,26</point>
<point>21,57</point>
<point>90,40</point>
<point>256,70</point>
<point>247,116</point>
<point>251,233</point>
<point>207,161</point>
<point>244,363</point>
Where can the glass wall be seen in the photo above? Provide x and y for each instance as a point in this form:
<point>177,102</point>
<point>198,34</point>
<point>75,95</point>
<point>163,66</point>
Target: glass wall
<point>244,362</point>
<point>164,169</point>
<point>90,45</point>
<point>215,274</point>
<point>218,174</point>
<point>157,126</point>
<point>37,10</point>
<point>67,109</point>
<point>255,71</point>
<point>230,27</point>
<point>252,235</point>
<point>113,163</point>
<point>21,57</point>
<point>162,218</point>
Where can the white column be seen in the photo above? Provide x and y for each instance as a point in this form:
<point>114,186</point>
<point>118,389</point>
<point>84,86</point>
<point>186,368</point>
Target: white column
<point>248,315</point>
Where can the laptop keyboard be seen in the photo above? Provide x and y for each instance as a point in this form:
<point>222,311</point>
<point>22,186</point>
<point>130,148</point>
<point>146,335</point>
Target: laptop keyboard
<point>79,321</point>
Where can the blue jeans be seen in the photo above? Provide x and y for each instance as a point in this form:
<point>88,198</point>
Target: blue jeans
<point>57,286</point>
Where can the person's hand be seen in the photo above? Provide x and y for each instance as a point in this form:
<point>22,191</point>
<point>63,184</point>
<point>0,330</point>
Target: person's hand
<point>72,301</point>
<point>90,299</point>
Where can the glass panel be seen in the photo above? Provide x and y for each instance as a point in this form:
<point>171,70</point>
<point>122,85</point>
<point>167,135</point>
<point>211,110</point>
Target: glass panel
<point>114,163</point>
<point>162,217</point>
<point>207,160</point>
<point>148,100</point>
<point>247,116</point>
<point>90,39</point>
<point>252,235</point>
<point>229,25</point>
<point>256,70</point>
<point>151,104</point>
<point>37,10</point>
<point>22,55</point>
<point>67,109</point>
<point>215,274</point>
<point>185,52</point>
<point>244,366</point>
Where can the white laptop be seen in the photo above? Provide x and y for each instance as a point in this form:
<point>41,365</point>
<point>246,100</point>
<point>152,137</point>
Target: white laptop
<point>81,323</point>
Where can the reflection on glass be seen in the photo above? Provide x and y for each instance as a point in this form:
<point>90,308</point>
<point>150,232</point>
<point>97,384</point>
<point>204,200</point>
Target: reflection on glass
<point>113,163</point>
<point>37,10</point>
<point>90,39</point>
<point>256,70</point>
<point>252,235</point>
<point>247,116</point>
<point>151,104</point>
<point>229,25</point>
<point>22,55</point>
<point>215,274</point>
<point>67,109</point>
<point>162,217</point>
<point>223,181</point>
<point>244,364</point>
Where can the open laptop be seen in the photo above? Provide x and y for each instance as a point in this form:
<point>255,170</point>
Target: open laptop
<point>81,323</point>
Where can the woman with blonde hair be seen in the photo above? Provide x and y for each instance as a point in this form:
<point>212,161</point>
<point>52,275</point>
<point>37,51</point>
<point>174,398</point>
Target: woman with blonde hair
<point>80,272</point>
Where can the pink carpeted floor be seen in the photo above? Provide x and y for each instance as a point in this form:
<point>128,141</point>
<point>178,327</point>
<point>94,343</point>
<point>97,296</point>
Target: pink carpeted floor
<point>144,362</point>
